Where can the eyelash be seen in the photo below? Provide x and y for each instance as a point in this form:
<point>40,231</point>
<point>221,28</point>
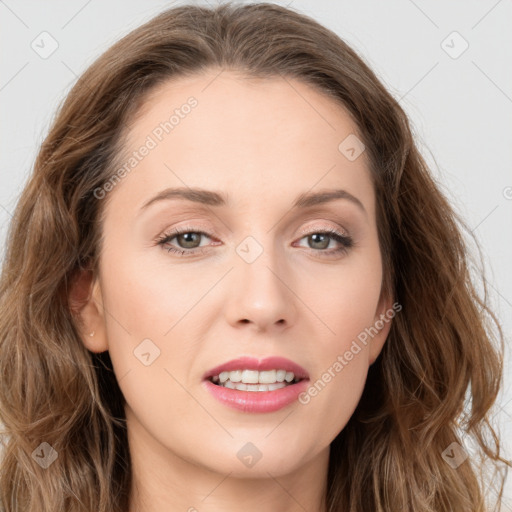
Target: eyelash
<point>345,241</point>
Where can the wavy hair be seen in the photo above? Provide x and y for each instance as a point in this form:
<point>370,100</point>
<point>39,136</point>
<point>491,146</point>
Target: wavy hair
<point>435,381</point>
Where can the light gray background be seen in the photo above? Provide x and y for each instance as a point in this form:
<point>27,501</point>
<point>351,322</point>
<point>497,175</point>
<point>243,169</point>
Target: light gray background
<point>460,107</point>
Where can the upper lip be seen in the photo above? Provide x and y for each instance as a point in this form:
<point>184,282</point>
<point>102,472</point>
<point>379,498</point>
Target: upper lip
<point>251,363</point>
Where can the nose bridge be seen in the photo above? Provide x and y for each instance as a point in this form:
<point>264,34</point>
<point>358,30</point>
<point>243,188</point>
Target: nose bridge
<point>259,259</point>
<point>260,294</point>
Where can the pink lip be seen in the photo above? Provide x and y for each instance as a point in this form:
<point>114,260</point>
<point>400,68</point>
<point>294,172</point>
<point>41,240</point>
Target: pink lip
<point>257,401</point>
<point>251,363</point>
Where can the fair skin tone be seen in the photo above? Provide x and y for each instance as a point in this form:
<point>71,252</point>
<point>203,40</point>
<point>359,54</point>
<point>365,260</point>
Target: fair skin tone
<point>262,143</point>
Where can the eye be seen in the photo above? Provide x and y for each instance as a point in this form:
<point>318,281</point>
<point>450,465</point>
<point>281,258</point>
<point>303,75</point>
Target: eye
<point>188,240</point>
<point>320,240</point>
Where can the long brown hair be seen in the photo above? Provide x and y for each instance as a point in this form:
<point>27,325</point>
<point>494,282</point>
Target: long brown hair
<point>435,380</point>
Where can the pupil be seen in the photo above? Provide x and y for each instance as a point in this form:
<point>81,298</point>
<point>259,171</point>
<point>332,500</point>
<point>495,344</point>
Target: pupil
<point>323,245</point>
<point>187,238</point>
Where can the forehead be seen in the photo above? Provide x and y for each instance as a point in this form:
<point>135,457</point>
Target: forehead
<point>274,137</point>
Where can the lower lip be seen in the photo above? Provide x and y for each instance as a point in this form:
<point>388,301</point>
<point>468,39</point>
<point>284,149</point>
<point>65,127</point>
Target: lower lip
<point>257,401</point>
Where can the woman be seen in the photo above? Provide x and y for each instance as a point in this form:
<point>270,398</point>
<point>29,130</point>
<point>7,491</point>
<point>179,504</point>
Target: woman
<point>232,283</point>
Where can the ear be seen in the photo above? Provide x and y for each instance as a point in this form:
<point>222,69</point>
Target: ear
<point>382,324</point>
<point>86,306</point>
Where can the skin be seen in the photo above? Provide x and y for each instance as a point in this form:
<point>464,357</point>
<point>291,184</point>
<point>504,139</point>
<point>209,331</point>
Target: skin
<point>263,142</point>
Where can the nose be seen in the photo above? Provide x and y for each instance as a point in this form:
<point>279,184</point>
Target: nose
<point>260,293</point>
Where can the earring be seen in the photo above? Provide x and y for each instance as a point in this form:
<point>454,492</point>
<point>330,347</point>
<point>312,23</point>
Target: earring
<point>91,334</point>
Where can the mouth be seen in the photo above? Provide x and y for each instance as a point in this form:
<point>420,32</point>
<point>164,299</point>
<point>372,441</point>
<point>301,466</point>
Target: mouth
<point>250,374</point>
<point>251,386</point>
<point>254,380</point>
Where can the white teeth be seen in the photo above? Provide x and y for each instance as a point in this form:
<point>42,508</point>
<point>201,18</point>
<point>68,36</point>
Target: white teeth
<point>277,385</point>
<point>255,387</point>
<point>235,376</point>
<point>250,376</point>
<point>252,380</point>
<point>267,377</point>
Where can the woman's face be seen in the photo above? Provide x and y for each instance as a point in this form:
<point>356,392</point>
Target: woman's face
<point>251,160</point>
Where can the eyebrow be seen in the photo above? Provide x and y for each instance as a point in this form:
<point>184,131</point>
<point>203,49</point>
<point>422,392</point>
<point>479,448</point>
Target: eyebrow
<point>212,198</point>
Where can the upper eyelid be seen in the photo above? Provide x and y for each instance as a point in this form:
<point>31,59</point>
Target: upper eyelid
<point>303,232</point>
<point>311,229</point>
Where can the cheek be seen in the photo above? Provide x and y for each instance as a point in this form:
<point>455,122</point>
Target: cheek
<point>336,387</point>
<point>143,315</point>
<point>347,307</point>
<point>345,300</point>
<point>146,300</point>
